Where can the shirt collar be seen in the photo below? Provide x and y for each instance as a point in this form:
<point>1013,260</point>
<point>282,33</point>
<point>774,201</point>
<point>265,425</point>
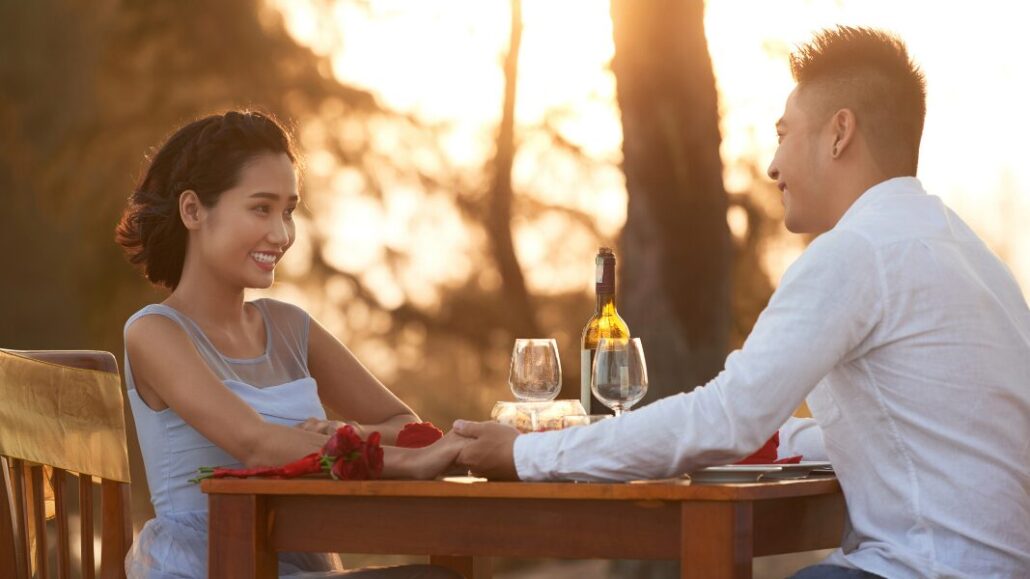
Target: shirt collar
<point>892,186</point>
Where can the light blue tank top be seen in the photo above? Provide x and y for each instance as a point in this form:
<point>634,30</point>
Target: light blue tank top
<point>276,384</point>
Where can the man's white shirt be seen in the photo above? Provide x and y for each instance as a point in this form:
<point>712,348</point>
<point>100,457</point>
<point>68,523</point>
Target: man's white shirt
<point>911,342</point>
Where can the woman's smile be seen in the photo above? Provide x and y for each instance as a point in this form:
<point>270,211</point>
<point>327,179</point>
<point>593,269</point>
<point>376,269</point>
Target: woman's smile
<point>265,260</point>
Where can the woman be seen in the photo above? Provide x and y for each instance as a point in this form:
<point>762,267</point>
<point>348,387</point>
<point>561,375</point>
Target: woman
<point>214,379</point>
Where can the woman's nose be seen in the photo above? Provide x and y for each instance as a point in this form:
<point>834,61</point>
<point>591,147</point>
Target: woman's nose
<point>279,232</point>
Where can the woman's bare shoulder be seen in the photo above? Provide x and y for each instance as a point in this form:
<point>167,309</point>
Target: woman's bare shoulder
<point>157,335</point>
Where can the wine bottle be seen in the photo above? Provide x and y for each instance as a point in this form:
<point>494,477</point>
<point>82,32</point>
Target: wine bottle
<point>605,323</point>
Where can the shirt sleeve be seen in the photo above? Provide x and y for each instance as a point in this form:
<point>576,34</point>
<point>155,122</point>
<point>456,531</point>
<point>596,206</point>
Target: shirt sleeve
<point>828,304</point>
<point>802,436</point>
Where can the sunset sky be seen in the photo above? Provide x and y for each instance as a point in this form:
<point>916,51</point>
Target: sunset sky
<point>441,60</point>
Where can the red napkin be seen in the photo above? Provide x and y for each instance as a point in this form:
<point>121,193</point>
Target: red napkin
<point>767,454</point>
<point>418,435</point>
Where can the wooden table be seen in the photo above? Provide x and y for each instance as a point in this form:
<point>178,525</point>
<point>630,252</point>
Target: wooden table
<point>713,529</point>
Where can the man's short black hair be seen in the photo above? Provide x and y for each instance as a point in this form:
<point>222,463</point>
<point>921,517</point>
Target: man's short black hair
<point>868,71</point>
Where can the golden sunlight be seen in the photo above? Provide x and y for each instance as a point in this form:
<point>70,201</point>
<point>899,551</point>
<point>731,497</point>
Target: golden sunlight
<point>441,61</point>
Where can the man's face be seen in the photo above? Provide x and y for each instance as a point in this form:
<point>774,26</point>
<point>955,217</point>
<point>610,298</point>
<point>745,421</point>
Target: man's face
<point>799,166</point>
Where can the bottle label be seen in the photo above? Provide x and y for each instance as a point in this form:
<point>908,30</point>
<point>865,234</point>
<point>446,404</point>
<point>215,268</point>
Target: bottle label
<point>586,362</point>
<point>604,275</point>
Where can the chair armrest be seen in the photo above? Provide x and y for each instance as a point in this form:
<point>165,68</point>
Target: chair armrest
<point>86,359</point>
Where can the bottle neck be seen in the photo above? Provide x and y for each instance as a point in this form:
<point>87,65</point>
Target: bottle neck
<point>605,284</point>
<point>605,304</point>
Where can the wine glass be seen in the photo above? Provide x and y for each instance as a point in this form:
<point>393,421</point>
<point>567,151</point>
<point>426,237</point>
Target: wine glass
<point>618,377</point>
<point>535,374</point>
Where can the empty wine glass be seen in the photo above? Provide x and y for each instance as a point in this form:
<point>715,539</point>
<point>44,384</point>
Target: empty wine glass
<point>618,377</point>
<point>535,374</point>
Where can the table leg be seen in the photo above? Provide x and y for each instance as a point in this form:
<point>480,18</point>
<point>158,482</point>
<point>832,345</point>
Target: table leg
<point>469,567</point>
<point>238,538</point>
<point>716,540</point>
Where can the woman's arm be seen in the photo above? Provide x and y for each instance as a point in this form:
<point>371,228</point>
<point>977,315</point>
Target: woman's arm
<point>169,371</point>
<point>348,388</point>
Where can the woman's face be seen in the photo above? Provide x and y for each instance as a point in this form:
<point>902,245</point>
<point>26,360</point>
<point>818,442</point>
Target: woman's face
<point>250,227</point>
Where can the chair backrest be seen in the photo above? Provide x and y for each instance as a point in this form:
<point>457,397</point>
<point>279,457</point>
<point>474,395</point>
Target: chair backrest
<point>61,415</point>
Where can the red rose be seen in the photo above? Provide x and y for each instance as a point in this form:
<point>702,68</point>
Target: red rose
<point>344,469</point>
<point>344,441</point>
<point>362,463</point>
<point>373,455</point>
<point>418,435</point>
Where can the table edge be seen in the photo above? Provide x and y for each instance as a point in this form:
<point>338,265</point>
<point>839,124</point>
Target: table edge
<point>664,491</point>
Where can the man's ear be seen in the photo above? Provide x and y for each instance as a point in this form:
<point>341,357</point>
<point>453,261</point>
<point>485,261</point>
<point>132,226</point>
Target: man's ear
<point>842,128</point>
<point>190,209</point>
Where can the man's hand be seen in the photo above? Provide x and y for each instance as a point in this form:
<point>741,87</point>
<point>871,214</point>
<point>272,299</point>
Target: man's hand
<point>491,450</point>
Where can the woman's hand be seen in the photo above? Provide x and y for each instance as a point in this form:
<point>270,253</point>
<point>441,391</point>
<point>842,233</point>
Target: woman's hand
<point>440,456</point>
<point>424,463</point>
<point>328,427</point>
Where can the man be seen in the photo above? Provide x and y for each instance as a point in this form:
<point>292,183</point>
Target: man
<point>909,338</point>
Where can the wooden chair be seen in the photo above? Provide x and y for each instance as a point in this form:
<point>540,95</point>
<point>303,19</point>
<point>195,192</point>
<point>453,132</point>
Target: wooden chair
<point>22,510</point>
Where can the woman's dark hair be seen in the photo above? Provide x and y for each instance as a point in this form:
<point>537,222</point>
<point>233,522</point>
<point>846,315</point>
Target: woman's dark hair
<point>205,156</point>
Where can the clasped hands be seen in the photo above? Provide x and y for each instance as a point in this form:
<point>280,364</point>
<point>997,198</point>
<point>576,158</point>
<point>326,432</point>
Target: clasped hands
<point>482,448</point>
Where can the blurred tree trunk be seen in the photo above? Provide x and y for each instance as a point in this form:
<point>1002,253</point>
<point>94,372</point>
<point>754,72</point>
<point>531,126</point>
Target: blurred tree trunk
<point>676,261</point>
<point>520,315</point>
<point>676,248</point>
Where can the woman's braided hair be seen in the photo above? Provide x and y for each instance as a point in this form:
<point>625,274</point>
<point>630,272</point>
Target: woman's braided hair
<point>205,156</point>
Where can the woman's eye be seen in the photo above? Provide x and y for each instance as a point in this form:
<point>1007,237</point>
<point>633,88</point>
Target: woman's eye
<point>262,209</point>
<point>289,211</point>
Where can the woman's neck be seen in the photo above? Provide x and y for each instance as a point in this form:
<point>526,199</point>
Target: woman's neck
<point>209,302</point>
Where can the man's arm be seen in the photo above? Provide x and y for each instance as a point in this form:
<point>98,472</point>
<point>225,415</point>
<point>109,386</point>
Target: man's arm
<point>826,307</point>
